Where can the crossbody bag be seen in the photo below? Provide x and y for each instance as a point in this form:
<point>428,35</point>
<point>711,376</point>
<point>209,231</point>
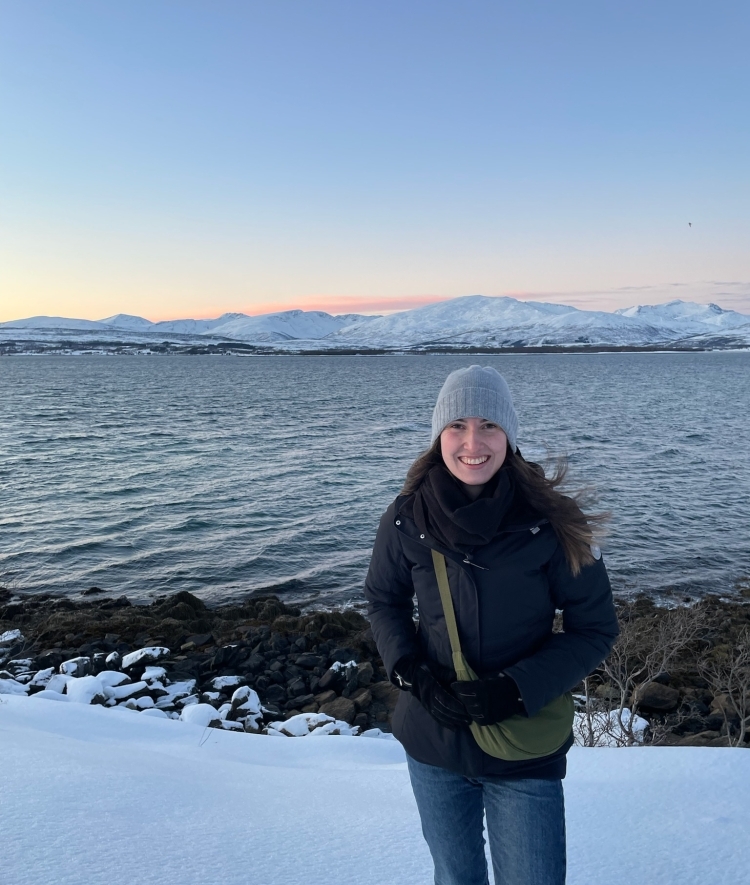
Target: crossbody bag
<point>519,737</point>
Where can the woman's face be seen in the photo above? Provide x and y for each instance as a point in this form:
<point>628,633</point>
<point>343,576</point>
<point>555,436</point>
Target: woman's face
<point>473,449</point>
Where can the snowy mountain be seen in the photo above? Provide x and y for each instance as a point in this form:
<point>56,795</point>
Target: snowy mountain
<point>44,323</point>
<point>128,323</point>
<point>686,316</point>
<point>479,321</point>
<point>289,325</point>
<point>470,321</point>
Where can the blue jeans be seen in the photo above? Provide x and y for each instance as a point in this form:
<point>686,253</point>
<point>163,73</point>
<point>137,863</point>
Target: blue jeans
<point>525,826</point>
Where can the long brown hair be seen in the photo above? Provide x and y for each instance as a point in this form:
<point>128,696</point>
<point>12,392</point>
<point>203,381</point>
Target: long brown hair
<point>575,530</point>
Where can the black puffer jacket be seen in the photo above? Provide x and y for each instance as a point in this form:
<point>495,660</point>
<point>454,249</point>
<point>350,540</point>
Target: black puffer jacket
<point>505,611</point>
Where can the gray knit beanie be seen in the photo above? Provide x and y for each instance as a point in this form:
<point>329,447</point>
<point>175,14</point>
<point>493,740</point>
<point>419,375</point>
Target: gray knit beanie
<point>476,392</point>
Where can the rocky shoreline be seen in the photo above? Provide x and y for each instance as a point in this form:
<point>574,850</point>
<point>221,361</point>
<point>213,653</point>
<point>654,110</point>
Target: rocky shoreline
<point>264,666</point>
<point>256,663</point>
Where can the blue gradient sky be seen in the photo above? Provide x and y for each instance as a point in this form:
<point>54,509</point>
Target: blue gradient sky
<point>189,158</point>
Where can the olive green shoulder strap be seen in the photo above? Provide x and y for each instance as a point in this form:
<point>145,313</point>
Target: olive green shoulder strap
<point>441,573</point>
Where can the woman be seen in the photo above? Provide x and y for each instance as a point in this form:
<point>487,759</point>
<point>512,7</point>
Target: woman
<point>512,550</point>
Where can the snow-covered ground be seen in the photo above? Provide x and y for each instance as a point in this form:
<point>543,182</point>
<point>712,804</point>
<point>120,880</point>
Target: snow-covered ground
<point>114,797</point>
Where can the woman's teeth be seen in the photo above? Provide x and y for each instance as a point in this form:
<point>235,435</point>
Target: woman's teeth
<point>475,460</point>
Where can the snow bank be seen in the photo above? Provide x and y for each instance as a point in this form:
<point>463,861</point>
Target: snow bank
<point>193,805</point>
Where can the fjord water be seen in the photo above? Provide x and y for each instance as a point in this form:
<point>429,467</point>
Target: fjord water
<point>223,476</point>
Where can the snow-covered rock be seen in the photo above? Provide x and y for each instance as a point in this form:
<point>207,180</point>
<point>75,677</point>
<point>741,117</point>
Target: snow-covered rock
<point>11,686</point>
<point>58,682</point>
<point>46,695</point>
<point>76,667</point>
<point>201,714</point>
<point>220,683</point>
<point>9,637</point>
<point>86,690</point>
<point>147,655</point>
<point>304,724</point>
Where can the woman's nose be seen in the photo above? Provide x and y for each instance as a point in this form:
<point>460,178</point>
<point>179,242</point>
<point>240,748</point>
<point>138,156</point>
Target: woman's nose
<point>471,440</point>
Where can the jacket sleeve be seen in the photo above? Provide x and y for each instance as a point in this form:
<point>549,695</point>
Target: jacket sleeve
<point>589,632</point>
<point>389,591</point>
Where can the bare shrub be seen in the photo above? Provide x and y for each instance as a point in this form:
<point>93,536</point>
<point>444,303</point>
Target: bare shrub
<point>727,671</point>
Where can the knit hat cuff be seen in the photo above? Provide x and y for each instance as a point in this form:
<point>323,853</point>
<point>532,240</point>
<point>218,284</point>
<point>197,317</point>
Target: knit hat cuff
<point>476,402</point>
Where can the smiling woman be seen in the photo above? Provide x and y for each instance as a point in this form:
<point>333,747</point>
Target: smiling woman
<point>491,550</point>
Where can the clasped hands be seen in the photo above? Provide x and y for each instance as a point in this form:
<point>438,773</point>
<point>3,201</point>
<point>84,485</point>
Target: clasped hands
<point>484,701</point>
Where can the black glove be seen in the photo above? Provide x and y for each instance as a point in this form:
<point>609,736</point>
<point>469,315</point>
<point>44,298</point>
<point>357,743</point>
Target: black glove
<point>490,700</point>
<point>412,674</point>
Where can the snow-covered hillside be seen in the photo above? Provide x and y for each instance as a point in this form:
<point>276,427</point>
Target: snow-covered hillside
<point>476,320</point>
<point>686,317</point>
<point>111,797</point>
<point>471,321</point>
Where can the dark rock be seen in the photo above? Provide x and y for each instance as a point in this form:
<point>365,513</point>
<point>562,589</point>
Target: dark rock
<point>362,698</point>
<point>301,701</point>
<point>344,655</point>
<point>361,720</point>
<point>341,708</point>
<point>271,712</point>
<point>262,683</point>
<point>276,694</point>
<point>278,677</point>
<point>653,697</point>
<point>120,602</point>
<point>333,680</point>
<point>99,662</point>
<point>704,739</point>
<point>332,631</point>
<point>309,660</point>
<point>352,682</point>
<point>227,656</point>
<point>722,705</point>
<point>50,658</point>
<point>385,693</point>
<point>325,696</point>
<point>113,661</point>
<point>662,678</point>
<point>197,640</point>
<point>297,687</point>
<point>365,673</point>
<point>92,591</point>
<point>255,663</point>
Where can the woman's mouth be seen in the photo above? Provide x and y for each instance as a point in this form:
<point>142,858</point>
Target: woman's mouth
<point>473,462</point>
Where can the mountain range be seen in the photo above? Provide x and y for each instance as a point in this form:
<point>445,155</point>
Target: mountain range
<point>473,321</point>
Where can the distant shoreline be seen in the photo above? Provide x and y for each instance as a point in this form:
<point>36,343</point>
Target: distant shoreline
<point>236,349</point>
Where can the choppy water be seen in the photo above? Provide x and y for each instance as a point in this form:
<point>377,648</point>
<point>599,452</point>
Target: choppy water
<point>227,475</point>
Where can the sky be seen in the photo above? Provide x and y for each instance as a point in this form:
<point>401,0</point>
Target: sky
<point>183,159</point>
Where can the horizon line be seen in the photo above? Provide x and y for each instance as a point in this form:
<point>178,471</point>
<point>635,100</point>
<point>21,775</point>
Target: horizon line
<point>384,306</point>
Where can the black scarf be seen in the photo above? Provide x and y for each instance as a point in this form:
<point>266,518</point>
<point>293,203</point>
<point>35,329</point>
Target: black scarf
<point>443,509</point>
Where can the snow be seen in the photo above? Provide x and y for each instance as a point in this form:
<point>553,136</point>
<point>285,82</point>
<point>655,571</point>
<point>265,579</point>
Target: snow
<point>194,805</point>
<point>219,682</point>
<point>11,636</point>
<point>150,653</point>
<point>337,665</point>
<point>86,690</point>
<point>472,320</point>
<point>200,714</point>
<point>602,729</point>
<point>11,687</point>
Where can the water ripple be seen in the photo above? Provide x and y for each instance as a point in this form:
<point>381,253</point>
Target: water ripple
<point>227,476</point>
